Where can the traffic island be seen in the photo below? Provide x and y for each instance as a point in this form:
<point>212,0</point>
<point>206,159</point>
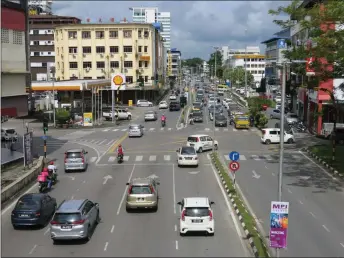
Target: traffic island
<point>323,155</point>
<point>257,242</point>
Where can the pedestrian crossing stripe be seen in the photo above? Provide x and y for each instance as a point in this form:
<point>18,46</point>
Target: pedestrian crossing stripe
<point>93,159</point>
<point>162,129</point>
<point>265,157</point>
<point>112,159</point>
<point>242,157</point>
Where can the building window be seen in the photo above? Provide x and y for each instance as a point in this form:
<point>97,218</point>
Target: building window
<point>140,49</point>
<point>140,64</point>
<point>113,49</point>
<point>36,53</point>
<point>87,65</point>
<point>5,36</point>
<point>113,34</point>
<point>73,65</point>
<point>114,64</point>
<point>140,33</point>
<point>129,79</point>
<point>146,49</point>
<point>100,77</point>
<point>86,34</point>
<point>86,50</point>
<point>44,64</point>
<point>146,34</point>
<point>87,78</point>
<point>73,50</point>
<point>35,32</point>
<point>127,33</point>
<point>72,34</point>
<point>49,53</point>
<point>128,64</point>
<point>146,78</point>
<point>100,50</point>
<point>36,43</point>
<point>146,64</point>
<point>127,49</point>
<point>100,65</point>
<point>99,34</point>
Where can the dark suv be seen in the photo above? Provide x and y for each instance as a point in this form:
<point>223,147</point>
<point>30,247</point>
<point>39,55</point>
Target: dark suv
<point>174,106</point>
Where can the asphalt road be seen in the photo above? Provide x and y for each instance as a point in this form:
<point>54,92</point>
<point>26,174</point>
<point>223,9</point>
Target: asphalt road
<point>134,234</point>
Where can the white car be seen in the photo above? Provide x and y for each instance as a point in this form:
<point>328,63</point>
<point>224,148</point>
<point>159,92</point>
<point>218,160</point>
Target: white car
<point>224,101</point>
<point>9,134</point>
<point>211,101</point>
<point>144,103</point>
<point>173,97</point>
<point>201,142</point>
<point>272,135</point>
<point>163,105</point>
<point>187,156</point>
<point>196,215</point>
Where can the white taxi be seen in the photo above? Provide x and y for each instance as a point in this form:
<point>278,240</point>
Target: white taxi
<point>187,156</point>
<point>163,105</point>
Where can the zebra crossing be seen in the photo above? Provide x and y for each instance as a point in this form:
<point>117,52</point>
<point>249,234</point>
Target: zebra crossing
<point>76,135</point>
<point>152,129</point>
<point>100,142</point>
<point>232,129</point>
<point>265,157</point>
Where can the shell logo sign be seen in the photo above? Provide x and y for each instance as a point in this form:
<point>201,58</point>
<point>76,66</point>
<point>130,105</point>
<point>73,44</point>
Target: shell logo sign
<point>117,81</point>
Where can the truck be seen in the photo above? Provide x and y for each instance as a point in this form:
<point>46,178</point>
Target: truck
<point>120,114</point>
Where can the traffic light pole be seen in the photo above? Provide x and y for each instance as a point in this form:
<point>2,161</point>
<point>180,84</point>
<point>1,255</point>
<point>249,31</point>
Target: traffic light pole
<point>45,144</point>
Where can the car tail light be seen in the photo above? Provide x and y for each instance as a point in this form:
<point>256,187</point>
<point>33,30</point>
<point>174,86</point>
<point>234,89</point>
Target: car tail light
<point>263,132</point>
<point>78,222</point>
<point>197,139</point>
<point>152,189</point>
<point>210,215</point>
<point>38,214</point>
<point>65,158</point>
<point>183,215</point>
<point>195,158</point>
<point>129,189</point>
<point>82,158</point>
<point>53,222</point>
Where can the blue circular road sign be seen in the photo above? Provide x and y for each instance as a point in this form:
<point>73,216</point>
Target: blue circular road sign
<point>234,156</point>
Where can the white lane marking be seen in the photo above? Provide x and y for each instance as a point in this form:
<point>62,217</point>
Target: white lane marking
<point>342,245</point>
<point>125,190</point>
<point>244,130</point>
<point>255,157</point>
<point>289,191</point>
<point>91,141</point>
<point>139,158</point>
<point>98,142</point>
<point>112,159</point>
<point>234,130</point>
<point>72,197</point>
<point>327,173</point>
<point>93,159</point>
<point>162,129</point>
<point>242,157</point>
<point>170,129</point>
<point>110,142</point>
<point>267,157</point>
<point>167,157</point>
<point>115,130</point>
<point>175,228</point>
<point>300,202</point>
<point>226,157</point>
<point>47,231</point>
<point>125,158</point>
<point>151,129</point>
<point>123,130</point>
<point>103,141</point>
<point>152,158</point>
<point>33,249</point>
<point>233,216</point>
<point>174,190</point>
<point>217,129</point>
<point>112,229</point>
<point>177,245</point>
<point>207,129</point>
<point>105,130</point>
<point>106,245</point>
<point>225,129</point>
<point>295,157</point>
<point>312,214</point>
<point>325,228</point>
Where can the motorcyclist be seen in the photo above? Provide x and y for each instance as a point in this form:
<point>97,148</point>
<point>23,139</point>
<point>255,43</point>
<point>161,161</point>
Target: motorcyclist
<point>52,168</point>
<point>45,173</point>
<point>163,118</point>
<point>120,150</point>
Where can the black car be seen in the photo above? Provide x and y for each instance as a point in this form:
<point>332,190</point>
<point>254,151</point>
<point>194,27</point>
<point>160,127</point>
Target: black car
<point>174,106</point>
<point>197,116</point>
<point>221,120</point>
<point>33,209</point>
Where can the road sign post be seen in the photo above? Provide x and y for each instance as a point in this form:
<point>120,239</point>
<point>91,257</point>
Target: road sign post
<point>234,166</point>
<point>234,156</point>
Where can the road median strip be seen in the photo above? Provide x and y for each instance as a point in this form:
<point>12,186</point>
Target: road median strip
<point>257,242</point>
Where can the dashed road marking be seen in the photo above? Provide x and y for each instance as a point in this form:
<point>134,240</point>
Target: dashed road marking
<point>125,158</point>
<point>325,228</point>
<point>167,157</point>
<point>139,158</point>
<point>152,158</point>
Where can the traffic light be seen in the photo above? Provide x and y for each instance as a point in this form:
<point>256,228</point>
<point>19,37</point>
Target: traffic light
<point>142,82</point>
<point>45,125</point>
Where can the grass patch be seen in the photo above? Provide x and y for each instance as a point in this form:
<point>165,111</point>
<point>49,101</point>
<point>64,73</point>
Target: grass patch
<point>325,153</point>
<point>247,217</point>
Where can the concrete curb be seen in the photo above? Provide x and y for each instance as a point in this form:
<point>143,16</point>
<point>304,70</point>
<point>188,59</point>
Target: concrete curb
<point>331,169</point>
<point>235,206</point>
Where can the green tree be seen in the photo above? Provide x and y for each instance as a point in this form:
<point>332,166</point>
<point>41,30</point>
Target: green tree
<point>62,115</point>
<point>325,44</point>
<point>192,62</point>
<point>237,74</point>
<point>211,63</point>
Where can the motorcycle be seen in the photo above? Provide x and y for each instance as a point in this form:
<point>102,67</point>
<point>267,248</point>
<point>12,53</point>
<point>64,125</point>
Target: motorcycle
<point>54,176</point>
<point>43,186</point>
<point>163,123</point>
<point>120,158</point>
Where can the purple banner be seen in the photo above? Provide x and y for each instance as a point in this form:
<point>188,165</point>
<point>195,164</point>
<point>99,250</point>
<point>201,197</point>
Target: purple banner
<point>279,224</point>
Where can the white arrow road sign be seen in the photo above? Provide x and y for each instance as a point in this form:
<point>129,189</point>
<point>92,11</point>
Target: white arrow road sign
<point>255,175</point>
<point>193,172</point>
<point>106,178</point>
<point>304,177</point>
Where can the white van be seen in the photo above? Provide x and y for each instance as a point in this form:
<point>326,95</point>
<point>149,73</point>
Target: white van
<point>272,135</point>
<point>201,142</point>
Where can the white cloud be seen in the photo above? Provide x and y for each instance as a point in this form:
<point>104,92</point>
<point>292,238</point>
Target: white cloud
<point>196,26</point>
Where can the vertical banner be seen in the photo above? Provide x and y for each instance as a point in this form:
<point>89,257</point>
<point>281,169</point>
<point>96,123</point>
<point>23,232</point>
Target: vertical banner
<point>88,119</point>
<point>279,224</point>
<point>28,148</point>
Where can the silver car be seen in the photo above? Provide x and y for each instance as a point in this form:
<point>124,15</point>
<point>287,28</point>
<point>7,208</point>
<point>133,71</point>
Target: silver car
<point>135,130</point>
<point>75,160</point>
<point>74,219</point>
<point>291,118</point>
<point>151,116</point>
<point>275,113</point>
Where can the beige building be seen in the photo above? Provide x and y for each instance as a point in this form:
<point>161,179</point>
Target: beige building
<point>95,51</point>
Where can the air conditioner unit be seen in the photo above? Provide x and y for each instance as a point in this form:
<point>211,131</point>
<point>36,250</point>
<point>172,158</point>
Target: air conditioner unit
<point>112,69</point>
<point>125,70</point>
<point>74,55</point>
<point>141,70</point>
<point>87,69</point>
<point>101,55</point>
<point>84,55</point>
<point>125,55</point>
<point>112,55</point>
<point>102,70</point>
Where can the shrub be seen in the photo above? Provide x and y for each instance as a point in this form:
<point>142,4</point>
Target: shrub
<point>62,116</point>
<point>263,120</point>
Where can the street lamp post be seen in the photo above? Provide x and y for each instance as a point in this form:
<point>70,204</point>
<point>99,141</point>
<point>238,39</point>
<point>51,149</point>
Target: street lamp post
<point>215,97</point>
<point>246,67</point>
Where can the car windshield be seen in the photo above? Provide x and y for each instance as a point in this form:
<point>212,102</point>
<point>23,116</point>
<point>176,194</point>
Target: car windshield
<point>197,114</point>
<point>142,100</point>
<point>67,217</point>
<point>192,139</point>
<point>10,131</point>
<point>220,117</point>
<point>196,104</point>
<point>140,189</point>
<point>163,102</point>
<point>149,113</point>
<point>293,116</point>
<point>196,212</point>
<point>134,127</point>
<point>188,151</point>
<point>73,155</point>
<point>27,203</point>
<point>242,118</point>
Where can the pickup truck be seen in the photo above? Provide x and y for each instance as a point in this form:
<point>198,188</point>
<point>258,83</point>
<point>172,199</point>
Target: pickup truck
<point>120,114</point>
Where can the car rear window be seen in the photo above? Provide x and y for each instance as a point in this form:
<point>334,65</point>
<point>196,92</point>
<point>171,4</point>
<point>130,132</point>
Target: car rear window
<point>67,217</point>
<point>196,212</point>
<point>220,117</point>
<point>134,127</point>
<point>27,203</point>
<point>188,151</point>
<point>10,131</point>
<point>192,139</point>
<point>293,116</point>
<point>242,118</point>
<point>141,189</point>
<point>73,155</point>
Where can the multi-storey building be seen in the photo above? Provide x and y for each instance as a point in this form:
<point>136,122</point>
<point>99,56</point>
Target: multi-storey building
<point>95,51</point>
<point>42,50</point>
<point>228,53</point>
<point>205,69</point>
<point>14,59</point>
<point>176,62</point>
<point>152,15</point>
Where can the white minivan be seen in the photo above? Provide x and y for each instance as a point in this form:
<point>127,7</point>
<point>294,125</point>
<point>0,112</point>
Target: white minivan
<point>272,135</point>
<point>201,142</point>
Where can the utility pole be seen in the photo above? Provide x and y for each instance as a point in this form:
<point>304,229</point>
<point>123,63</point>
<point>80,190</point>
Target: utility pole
<point>215,95</point>
<point>246,95</point>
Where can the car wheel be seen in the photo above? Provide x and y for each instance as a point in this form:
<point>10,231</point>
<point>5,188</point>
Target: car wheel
<point>200,150</point>
<point>290,141</point>
<point>55,242</point>
<point>211,234</point>
<point>15,227</point>
<point>196,166</point>
<point>267,142</point>
<point>181,234</point>
<point>129,117</point>
<point>66,171</point>
<point>156,208</point>
<point>88,237</point>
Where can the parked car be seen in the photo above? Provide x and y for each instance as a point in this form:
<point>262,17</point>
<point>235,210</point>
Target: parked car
<point>135,130</point>
<point>33,209</point>
<point>144,103</point>
<point>75,159</point>
<point>272,135</point>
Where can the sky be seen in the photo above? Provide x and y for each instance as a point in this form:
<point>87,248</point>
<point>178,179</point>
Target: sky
<point>196,26</point>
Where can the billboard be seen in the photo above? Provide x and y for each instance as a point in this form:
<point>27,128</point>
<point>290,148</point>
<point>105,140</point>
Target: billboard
<point>279,224</point>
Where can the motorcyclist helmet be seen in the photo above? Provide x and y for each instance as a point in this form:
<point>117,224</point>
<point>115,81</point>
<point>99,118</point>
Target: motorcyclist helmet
<point>51,162</point>
<point>120,146</point>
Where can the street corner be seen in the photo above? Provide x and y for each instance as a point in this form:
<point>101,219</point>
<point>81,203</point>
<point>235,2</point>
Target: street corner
<point>114,146</point>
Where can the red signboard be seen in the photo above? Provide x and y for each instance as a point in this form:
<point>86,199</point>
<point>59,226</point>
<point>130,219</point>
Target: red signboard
<point>234,166</point>
<point>309,63</point>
